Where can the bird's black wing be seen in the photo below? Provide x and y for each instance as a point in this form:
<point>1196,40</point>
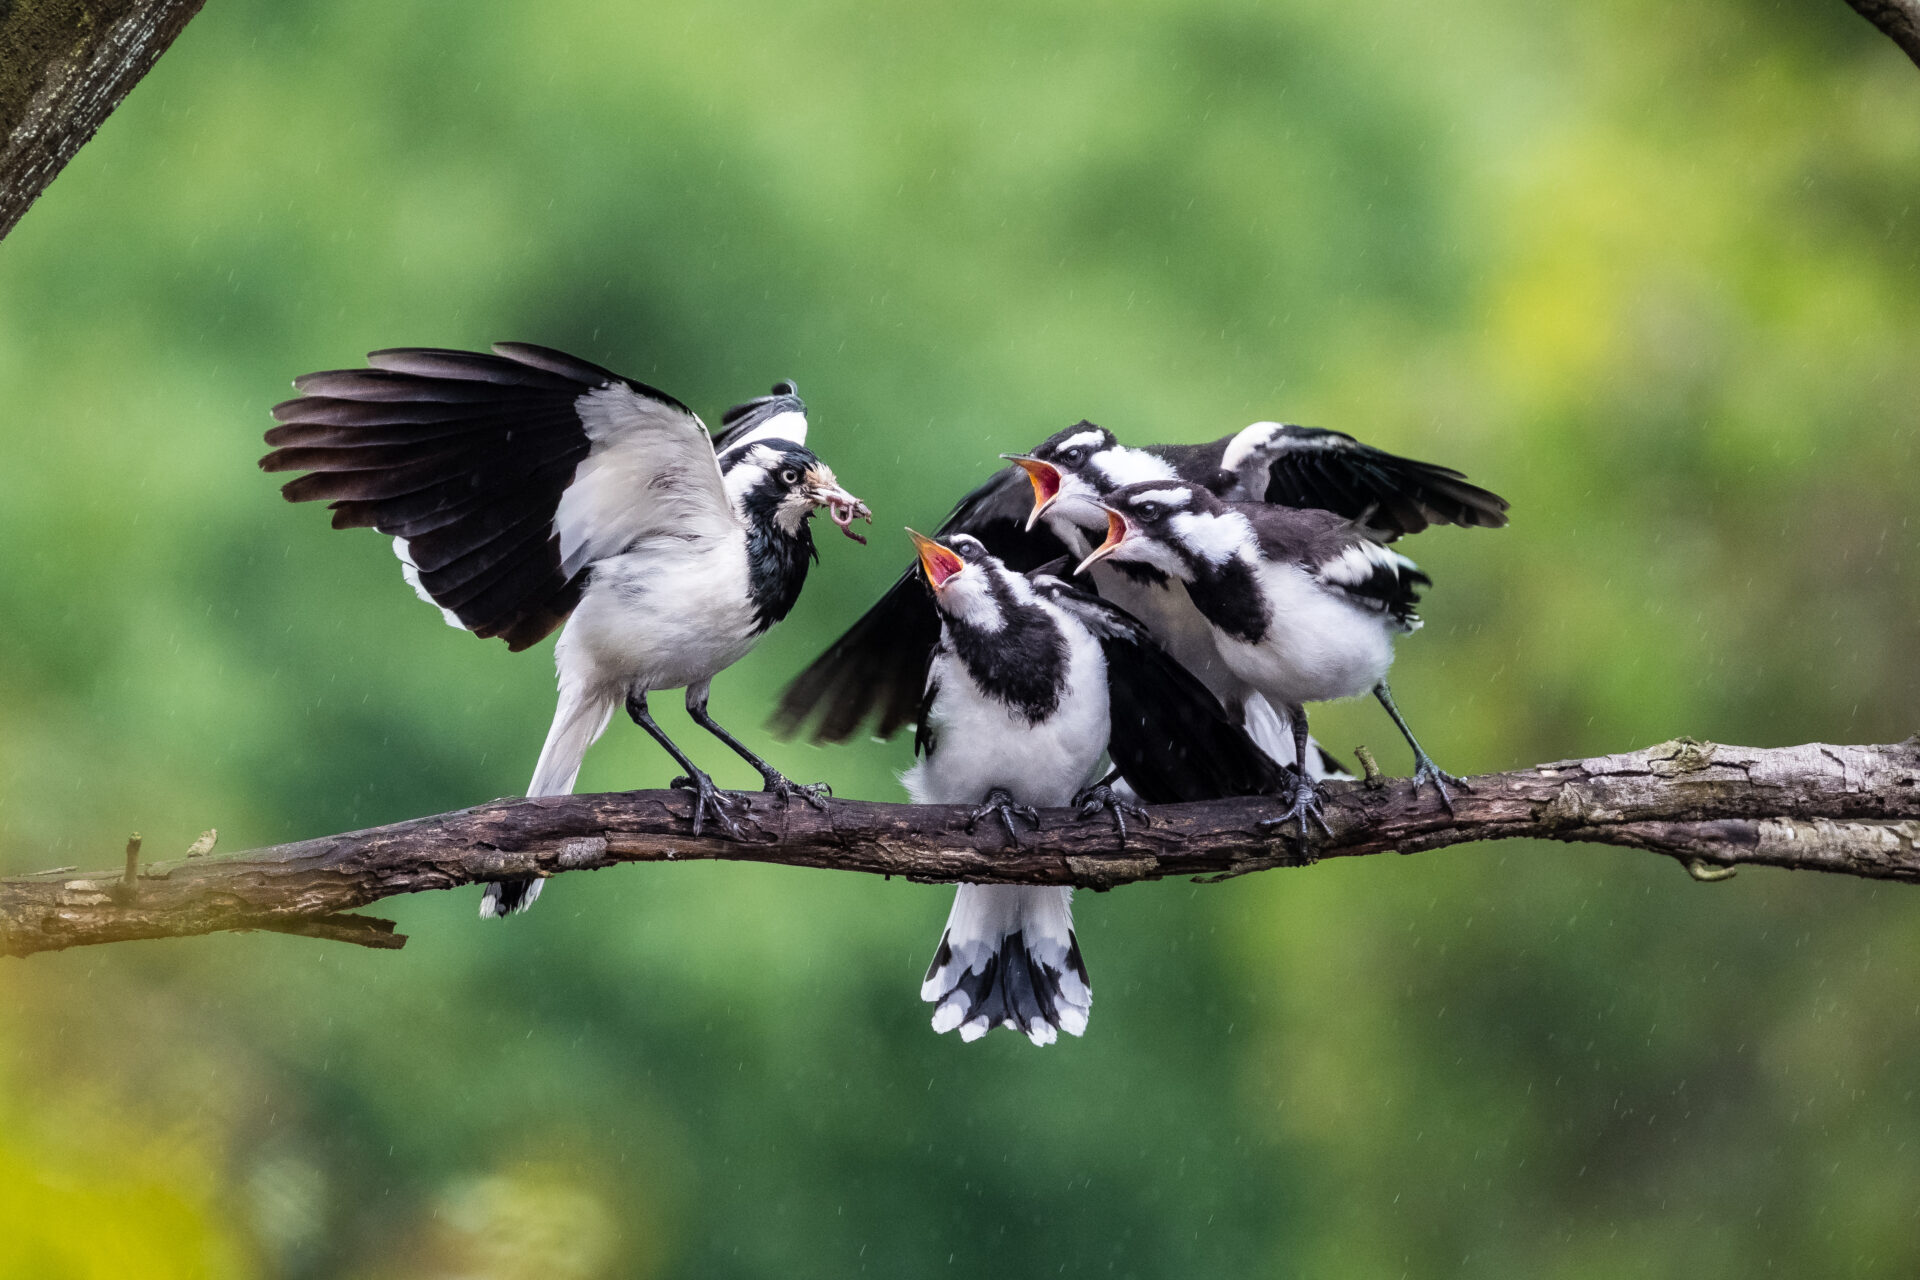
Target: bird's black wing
<point>462,457</point>
<point>878,666</point>
<point>1342,555</point>
<point>1330,470</point>
<point>1170,738</point>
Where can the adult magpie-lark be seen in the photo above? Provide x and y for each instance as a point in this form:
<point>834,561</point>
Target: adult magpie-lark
<point>527,488</point>
<point>1031,680</point>
<point>1303,604</point>
<point>875,668</point>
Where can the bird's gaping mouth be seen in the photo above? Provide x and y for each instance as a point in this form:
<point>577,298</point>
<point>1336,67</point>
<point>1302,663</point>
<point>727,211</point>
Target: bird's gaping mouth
<point>1046,483</point>
<point>1117,530</point>
<point>937,561</point>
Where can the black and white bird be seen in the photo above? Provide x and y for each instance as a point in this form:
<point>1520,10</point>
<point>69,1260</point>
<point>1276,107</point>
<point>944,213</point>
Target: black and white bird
<point>1046,506</point>
<point>1030,682</point>
<point>1303,604</point>
<point>526,488</point>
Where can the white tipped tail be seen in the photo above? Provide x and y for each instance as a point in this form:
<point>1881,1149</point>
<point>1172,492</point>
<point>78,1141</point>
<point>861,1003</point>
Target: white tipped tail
<point>578,722</point>
<point>1009,958</point>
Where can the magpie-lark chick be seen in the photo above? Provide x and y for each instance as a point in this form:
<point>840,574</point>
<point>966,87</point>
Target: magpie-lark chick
<point>1303,604</point>
<point>1288,466</point>
<point>874,669</point>
<point>1030,682</point>
<point>1070,473</point>
<point>527,488</point>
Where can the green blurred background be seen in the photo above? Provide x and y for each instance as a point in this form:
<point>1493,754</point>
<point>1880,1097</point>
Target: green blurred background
<point>1652,273</point>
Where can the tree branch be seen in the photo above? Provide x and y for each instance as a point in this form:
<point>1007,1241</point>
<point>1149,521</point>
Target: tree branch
<point>1898,20</point>
<point>64,66</point>
<point>1853,810</point>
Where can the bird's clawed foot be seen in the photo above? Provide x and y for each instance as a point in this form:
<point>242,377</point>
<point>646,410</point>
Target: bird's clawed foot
<point>1304,808</point>
<point>1425,770</point>
<point>814,793</point>
<point>1002,803</point>
<point>1101,796</point>
<point>709,801</point>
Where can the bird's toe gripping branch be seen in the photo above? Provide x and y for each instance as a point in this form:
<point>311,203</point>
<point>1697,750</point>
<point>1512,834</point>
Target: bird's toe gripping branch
<point>1002,804</point>
<point>1304,808</point>
<point>1101,796</point>
<point>1425,770</point>
<point>710,801</point>
<point>815,794</point>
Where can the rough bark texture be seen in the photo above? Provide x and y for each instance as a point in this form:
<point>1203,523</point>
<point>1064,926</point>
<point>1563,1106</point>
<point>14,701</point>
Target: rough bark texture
<point>1854,810</point>
<point>64,66</point>
<point>1899,20</point>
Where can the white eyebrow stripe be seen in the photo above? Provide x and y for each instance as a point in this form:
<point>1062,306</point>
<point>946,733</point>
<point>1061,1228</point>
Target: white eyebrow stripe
<point>1172,497</point>
<point>1092,439</point>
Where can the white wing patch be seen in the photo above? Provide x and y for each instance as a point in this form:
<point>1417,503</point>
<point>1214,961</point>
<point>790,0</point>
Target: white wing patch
<point>1358,563</point>
<point>1247,443</point>
<point>651,472</point>
<point>411,572</point>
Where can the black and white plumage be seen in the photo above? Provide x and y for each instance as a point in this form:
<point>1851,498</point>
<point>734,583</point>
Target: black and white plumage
<point>1030,683</point>
<point>875,668</point>
<point>526,488</point>
<point>1303,605</point>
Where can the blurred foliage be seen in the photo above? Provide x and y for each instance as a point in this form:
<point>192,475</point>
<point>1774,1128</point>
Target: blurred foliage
<point>1652,273</point>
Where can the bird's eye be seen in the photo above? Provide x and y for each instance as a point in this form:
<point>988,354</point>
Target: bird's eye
<point>1075,456</point>
<point>789,476</point>
<point>1149,511</point>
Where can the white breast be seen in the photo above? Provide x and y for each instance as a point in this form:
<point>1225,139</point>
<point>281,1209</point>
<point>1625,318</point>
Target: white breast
<point>982,744</point>
<point>667,614</point>
<point>1317,647</point>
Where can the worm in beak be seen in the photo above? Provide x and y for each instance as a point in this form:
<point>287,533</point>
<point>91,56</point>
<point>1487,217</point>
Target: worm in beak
<point>841,505</point>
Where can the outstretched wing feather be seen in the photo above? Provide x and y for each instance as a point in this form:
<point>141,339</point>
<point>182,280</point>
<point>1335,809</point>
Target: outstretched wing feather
<point>505,472</point>
<point>878,666</point>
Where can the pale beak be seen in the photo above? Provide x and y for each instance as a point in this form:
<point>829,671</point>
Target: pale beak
<point>939,563</point>
<point>1046,483</point>
<point>841,505</point>
<point>1117,531</point>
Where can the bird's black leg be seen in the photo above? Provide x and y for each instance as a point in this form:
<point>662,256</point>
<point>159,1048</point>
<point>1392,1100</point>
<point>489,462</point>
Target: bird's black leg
<point>707,798</point>
<point>1001,802</point>
<point>1101,796</point>
<point>1424,769</point>
<point>1305,804</point>
<point>814,793</point>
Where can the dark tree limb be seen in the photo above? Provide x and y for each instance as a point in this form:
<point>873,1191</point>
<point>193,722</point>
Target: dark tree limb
<point>1852,810</point>
<point>64,66</point>
<point>1898,20</point>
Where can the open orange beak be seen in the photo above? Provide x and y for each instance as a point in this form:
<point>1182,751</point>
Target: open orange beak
<point>1046,483</point>
<point>1117,531</point>
<point>938,562</point>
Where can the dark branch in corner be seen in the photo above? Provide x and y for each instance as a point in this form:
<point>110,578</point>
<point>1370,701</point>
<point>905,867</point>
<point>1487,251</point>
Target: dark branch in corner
<point>1852,810</point>
<point>1898,20</point>
<point>68,64</point>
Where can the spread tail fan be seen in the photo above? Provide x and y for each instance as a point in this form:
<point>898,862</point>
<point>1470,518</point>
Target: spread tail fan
<point>1009,958</point>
